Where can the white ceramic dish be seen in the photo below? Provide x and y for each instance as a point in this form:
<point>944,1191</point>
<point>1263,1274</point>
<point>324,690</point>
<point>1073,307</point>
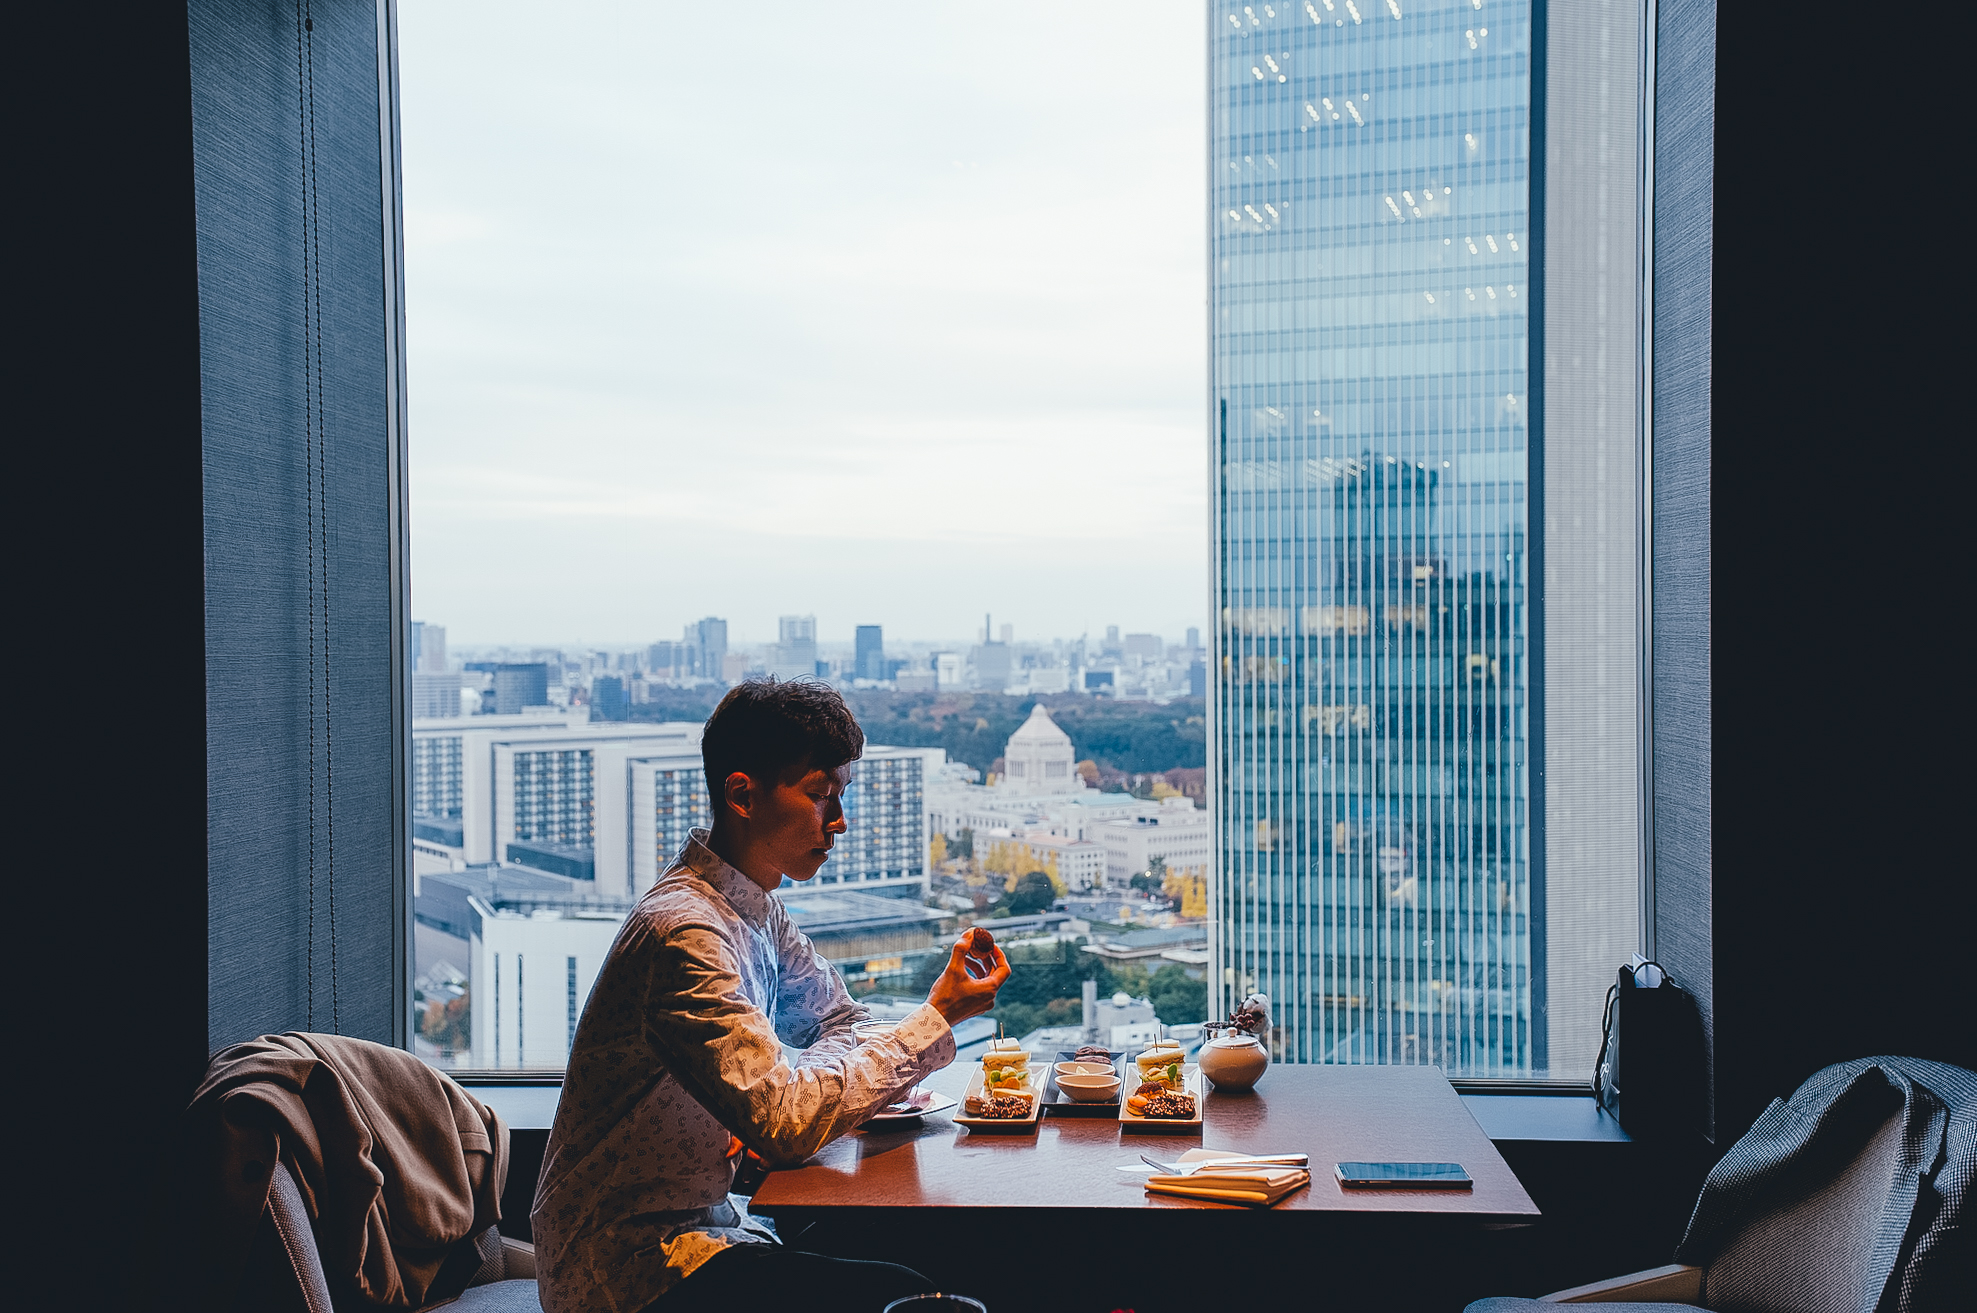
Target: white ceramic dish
<point>1191,1082</point>
<point>1012,1125</point>
<point>888,1116</point>
<point>1085,1069</point>
<point>1089,1089</point>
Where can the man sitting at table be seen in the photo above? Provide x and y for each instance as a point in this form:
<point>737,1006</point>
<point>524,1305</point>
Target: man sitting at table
<point>679,1053</point>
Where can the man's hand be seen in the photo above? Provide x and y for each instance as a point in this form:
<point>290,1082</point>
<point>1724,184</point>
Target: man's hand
<point>961,992</point>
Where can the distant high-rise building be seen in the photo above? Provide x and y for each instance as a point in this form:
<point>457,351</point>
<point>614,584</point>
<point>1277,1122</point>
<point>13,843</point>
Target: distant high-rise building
<point>1194,639</point>
<point>992,666</point>
<point>1008,634</point>
<point>1368,289</point>
<point>435,693</point>
<point>706,642</point>
<point>608,700</point>
<point>1147,647</point>
<point>795,655</point>
<point>869,653</point>
<point>518,686</point>
<point>428,647</point>
<point>667,660</point>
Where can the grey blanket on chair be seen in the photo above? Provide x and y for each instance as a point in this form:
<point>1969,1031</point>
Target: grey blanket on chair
<point>1918,1119</point>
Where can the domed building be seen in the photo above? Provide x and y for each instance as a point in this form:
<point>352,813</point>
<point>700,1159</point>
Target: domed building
<point>1039,758</point>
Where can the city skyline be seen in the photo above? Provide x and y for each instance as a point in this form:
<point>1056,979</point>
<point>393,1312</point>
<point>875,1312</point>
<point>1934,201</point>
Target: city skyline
<point>1094,636</point>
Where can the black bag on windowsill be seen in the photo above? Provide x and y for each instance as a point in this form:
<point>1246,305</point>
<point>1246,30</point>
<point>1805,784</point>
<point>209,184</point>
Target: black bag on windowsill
<point>1650,1072</point>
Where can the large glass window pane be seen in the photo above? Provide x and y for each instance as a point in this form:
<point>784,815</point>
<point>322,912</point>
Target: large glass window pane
<point>794,347</point>
<point>1425,750</point>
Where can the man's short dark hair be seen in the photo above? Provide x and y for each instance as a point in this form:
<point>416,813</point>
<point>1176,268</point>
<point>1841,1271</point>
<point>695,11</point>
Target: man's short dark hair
<point>774,731</point>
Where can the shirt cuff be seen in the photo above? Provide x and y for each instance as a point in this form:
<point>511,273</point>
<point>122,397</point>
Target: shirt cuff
<point>927,1037</point>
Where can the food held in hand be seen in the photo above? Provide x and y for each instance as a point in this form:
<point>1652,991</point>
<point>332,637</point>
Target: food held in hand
<point>1161,1064</point>
<point>1005,1067</point>
<point>981,941</point>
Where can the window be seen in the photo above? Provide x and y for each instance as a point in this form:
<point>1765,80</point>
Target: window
<point>871,353</point>
<point>1424,309</point>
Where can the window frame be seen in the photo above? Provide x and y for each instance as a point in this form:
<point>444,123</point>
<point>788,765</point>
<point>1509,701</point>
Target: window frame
<point>403,946</point>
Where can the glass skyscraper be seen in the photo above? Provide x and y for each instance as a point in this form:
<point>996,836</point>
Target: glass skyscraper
<point>1370,178</point>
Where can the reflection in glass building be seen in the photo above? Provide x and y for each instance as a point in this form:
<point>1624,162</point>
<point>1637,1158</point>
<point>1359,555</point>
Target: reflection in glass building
<point>1369,288</point>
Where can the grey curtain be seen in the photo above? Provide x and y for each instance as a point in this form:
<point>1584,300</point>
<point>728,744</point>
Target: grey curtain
<point>297,297</point>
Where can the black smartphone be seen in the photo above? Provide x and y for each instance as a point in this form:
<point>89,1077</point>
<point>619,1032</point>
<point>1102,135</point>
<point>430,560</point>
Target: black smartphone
<point>1441,1176</point>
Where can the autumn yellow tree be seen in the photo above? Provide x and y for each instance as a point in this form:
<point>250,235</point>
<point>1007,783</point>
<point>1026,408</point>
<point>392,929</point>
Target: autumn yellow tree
<point>1012,859</point>
<point>1188,887</point>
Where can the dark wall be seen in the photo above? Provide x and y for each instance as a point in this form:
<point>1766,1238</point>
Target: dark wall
<point>1840,562</point>
<point>106,985</point>
<point>158,518</point>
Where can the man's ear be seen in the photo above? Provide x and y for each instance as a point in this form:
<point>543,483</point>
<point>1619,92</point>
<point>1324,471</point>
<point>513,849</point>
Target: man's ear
<point>738,792</point>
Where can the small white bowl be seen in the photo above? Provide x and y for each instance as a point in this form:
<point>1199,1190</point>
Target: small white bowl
<point>1090,1089</point>
<point>1085,1069</point>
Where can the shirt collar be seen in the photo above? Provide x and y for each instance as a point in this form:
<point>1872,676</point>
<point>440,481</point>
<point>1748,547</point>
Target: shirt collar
<point>742,893</point>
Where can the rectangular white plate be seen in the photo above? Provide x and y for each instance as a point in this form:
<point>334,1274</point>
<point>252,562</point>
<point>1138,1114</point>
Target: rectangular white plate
<point>1191,1082</point>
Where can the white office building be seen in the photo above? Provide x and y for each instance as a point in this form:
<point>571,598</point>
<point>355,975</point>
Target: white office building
<point>612,804</point>
<point>1176,831</point>
<point>666,798</point>
<point>532,972</point>
<point>1079,863</point>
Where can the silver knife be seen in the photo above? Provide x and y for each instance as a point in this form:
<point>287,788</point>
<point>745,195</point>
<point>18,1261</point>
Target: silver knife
<point>1254,1160</point>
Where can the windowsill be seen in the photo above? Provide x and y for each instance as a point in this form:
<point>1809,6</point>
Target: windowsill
<point>1556,1118</point>
<point>1560,1118</point>
<point>523,1107</point>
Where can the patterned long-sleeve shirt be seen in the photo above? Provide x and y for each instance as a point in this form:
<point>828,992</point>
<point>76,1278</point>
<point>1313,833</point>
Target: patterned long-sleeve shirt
<point>681,1044</point>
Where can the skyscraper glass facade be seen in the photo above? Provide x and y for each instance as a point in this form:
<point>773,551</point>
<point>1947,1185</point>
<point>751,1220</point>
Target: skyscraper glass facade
<point>1370,184</point>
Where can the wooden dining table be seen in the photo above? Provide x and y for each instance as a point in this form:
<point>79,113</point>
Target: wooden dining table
<point>1333,1113</point>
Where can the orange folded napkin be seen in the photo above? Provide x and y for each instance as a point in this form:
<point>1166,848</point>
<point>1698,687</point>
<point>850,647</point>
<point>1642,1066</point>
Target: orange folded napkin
<point>1260,1186</point>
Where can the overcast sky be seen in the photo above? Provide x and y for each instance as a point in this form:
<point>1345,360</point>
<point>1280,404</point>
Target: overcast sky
<point>887,313</point>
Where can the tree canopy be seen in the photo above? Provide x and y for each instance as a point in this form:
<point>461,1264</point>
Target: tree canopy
<point>1034,893</point>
